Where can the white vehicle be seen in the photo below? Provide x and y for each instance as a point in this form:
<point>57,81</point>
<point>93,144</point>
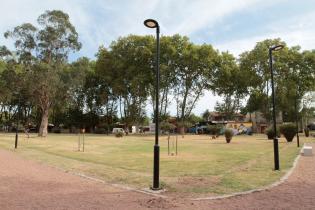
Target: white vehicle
<point>117,130</point>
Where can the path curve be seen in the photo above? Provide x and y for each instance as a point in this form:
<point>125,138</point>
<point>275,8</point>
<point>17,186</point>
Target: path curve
<point>26,184</point>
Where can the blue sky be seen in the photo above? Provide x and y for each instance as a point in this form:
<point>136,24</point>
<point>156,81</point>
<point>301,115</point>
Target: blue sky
<point>229,25</point>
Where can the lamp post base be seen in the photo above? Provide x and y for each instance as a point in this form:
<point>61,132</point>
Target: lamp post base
<point>276,153</point>
<point>156,189</point>
<point>156,168</point>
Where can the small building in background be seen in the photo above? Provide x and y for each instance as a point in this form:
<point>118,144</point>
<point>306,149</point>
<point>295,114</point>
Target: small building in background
<point>260,123</point>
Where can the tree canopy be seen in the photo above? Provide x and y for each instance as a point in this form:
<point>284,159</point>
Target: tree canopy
<point>38,82</point>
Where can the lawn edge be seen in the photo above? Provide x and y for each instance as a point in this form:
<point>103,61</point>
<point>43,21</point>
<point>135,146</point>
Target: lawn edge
<point>124,187</point>
<point>268,187</point>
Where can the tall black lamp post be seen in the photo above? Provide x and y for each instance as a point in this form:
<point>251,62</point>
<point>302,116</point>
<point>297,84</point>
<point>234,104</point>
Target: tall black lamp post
<point>275,139</point>
<point>297,118</point>
<point>150,23</point>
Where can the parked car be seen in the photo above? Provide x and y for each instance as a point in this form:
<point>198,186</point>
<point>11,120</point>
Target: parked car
<point>117,130</point>
<point>311,126</point>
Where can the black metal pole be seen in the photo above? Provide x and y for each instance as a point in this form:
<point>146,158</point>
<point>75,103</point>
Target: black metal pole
<point>17,124</point>
<point>297,122</point>
<point>156,167</point>
<point>275,139</point>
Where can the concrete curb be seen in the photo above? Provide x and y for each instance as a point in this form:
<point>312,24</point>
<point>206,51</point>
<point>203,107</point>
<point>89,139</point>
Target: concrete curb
<point>156,194</point>
<point>268,187</point>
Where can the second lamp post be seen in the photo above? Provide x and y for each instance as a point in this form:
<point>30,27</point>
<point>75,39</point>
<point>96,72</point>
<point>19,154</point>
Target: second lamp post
<point>150,23</point>
<point>275,138</point>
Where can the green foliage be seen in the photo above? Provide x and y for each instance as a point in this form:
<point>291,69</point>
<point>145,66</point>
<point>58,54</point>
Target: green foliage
<point>194,66</point>
<point>166,126</point>
<point>270,132</point>
<point>184,124</point>
<point>119,134</point>
<point>44,51</point>
<point>228,107</point>
<point>128,66</point>
<point>288,130</point>
<point>214,129</point>
<point>294,76</point>
<point>193,119</point>
<point>122,78</point>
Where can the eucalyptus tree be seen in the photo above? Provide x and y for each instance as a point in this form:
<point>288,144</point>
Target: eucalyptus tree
<point>45,51</point>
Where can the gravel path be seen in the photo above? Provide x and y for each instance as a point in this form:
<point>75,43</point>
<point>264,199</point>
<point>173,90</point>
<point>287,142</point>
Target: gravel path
<point>26,184</point>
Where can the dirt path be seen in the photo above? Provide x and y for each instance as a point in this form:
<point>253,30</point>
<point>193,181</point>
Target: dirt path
<point>25,184</point>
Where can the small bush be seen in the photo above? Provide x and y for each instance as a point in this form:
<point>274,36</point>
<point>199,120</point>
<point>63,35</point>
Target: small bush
<point>166,126</point>
<point>100,131</point>
<point>288,130</point>
<point>228,133</point>
<point>214,130</point>
<point>307,132</point>
<point>56,130</point>
<point>119,134</point>
<point>270,132</point>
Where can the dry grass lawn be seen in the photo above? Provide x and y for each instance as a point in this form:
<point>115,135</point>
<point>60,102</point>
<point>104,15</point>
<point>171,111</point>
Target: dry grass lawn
<point>202,167</point>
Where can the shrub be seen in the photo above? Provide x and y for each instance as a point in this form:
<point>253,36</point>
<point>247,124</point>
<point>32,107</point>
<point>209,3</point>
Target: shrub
<point>270,132</point>
<point>307,131</point>
<point>119,134</point>
<point>214,130</point>
<point>100,131</point>
<point>228,133</point>
<point>288,130</point>
<point>56,130</point>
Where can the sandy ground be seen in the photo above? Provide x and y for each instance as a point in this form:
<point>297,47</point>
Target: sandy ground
<point>26,184</point>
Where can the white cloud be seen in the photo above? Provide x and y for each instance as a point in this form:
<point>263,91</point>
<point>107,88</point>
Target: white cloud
<point>298,30</point>
<point>102,21</point>
<point>195,15</point>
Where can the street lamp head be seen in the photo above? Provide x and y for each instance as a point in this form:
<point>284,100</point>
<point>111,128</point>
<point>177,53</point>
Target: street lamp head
<point>150,23</point>
<point>277,47</point>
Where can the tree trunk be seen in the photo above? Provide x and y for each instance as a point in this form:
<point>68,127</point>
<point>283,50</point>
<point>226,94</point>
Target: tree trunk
<point>44,123</point>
